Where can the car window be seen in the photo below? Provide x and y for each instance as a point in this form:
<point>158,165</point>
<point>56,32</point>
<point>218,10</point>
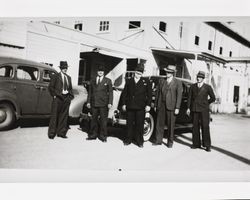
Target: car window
<point>6,71</point>
<point>47,75</point>
<point>27,73</point>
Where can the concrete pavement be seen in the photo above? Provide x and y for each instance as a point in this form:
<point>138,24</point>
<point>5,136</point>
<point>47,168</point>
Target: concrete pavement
<point>82,160</point>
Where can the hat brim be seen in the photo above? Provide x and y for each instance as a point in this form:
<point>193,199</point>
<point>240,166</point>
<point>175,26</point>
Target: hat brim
<point>200,76</point>
<point>170,71</point>
<point>139,72</point>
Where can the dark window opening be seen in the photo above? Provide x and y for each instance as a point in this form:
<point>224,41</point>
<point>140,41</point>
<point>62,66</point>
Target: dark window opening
<point>221,50</point>
<point>230,53</point>
<point>104,26</point>
<point>196,41</point>
<point>181,29</point>
<point>236,94</point>
<point>78,26</point>
<point>163,26</point>
<point>134,24</point>
<point>210,45</point>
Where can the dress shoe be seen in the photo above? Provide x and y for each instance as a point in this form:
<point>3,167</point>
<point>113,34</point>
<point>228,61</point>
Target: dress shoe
<point>62,136</point>
<point>170,145</point>
<point>208,149</point>
<point>91,138</point>
<point>195,147</point>
<point>156,144</point>
<point>126,143</point>
<point>103,138</point>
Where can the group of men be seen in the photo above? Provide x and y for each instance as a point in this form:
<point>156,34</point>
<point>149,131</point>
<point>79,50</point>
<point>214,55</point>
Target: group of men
<point>136,101</point>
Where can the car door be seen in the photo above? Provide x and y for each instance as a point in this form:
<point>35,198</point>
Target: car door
<point>45,99</point>
<point>27,89</point>
<point>6,78</point>
<point>182,117</point>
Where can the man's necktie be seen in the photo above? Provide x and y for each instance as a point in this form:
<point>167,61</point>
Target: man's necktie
<point>99,80</point>
<point>65,85</point>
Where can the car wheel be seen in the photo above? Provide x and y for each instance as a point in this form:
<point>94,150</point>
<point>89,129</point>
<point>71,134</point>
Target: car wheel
<point>7,116</point>
<point>148,127</point>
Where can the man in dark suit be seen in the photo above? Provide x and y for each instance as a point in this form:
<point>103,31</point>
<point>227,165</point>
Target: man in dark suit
<point>198,103</point>
<point>60,89</point>
<point>136,100</point>
<point>100,100</point>
<point>168,102</point>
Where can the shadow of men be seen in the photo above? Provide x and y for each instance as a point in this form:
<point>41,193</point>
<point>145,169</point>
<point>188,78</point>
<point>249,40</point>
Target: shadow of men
<point>226,152</point>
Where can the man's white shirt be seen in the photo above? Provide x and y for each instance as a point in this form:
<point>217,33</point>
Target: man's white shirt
<point>65,91</point>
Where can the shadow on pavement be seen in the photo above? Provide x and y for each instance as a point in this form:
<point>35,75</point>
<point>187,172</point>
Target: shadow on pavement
<point>226,152</point>
<point>39,122</point>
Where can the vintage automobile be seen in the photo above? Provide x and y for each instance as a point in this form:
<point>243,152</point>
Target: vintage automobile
<point>24,91</point>
<point>118,117</point>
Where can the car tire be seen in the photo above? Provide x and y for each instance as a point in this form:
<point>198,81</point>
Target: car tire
<point>149,125</point>
<point>7,116</point>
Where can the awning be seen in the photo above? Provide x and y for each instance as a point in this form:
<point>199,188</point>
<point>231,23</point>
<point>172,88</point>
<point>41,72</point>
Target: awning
<point>174,53</point>
<point>187,54</point>
<point>238,59</point>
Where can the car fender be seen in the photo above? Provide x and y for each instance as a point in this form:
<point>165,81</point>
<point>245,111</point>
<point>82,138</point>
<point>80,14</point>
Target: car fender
<point>10,97</point>
<point>80,98</point>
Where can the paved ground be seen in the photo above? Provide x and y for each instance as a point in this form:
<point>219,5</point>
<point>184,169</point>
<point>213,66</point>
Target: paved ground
<point>81,160</point>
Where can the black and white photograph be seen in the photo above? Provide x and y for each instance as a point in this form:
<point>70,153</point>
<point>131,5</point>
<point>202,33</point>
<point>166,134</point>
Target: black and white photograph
<point>127,99</point>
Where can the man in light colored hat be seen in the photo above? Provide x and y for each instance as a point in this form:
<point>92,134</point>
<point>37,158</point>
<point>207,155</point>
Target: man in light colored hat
<point>100,100</point>
<point>201,95</point>
<point>168,102</point>
<point>136,100</point>
<point>60,89</point>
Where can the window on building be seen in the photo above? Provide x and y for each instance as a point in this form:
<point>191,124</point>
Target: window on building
<point>181,29</point>
<point>197,39</point>
<point>163,26</point>
<point>104,26</point>
<point>221,50</point>
<point>210,45</point>
<point>230,53</point>
<point>78,26</point>
<point>134,24</point>
<point>236,94</point>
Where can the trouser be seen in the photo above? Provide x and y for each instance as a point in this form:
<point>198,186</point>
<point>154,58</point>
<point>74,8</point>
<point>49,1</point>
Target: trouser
<point>201,121</point>
<point>135,125</point>
<point>99,121</point>
<point>163,115</point>
<point>58,124</point>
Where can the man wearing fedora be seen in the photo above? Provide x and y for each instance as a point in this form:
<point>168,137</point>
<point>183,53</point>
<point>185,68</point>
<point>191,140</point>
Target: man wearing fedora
<point>60,89</point>
<point>100,100</point>
<point>168,102</point>
<point>136,100</point>
<point>201,95</point>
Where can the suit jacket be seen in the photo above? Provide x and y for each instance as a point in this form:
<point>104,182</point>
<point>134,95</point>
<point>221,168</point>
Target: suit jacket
<point>137,95</point>
<point>100,95</point>
<point>198,100</point>
<point>56,85</point>
<point>172,94</point>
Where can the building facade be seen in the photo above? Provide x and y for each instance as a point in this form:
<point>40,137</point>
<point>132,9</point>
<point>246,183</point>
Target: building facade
<point>222,50</point>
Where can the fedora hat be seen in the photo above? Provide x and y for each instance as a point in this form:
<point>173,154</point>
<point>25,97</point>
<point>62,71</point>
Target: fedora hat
<point>139,68</point>
<point>63,65</point>
<point>170,69</point>
<point>101,68</point>
<point>201,74</point>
